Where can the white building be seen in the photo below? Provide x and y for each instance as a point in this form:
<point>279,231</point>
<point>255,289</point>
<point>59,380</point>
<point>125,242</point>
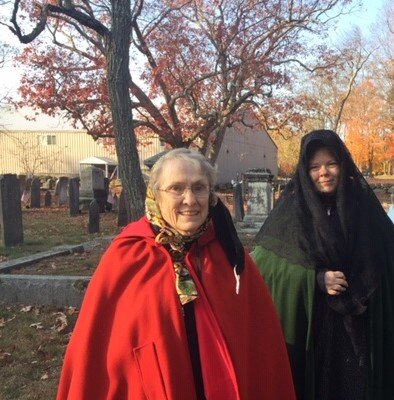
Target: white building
<point>50,146</point>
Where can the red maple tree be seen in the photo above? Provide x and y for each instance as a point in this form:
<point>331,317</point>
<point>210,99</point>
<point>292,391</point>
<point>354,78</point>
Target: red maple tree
<point>200,64</point>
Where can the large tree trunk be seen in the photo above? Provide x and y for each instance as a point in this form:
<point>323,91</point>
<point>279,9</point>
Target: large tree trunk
<point>118,86</point>
<point>216,145</point>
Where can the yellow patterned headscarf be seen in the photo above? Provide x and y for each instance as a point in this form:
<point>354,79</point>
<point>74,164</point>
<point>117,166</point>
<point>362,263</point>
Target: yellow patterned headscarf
<point>176,245</point>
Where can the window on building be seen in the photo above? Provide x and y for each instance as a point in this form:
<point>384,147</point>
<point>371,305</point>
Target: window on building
<point>47,140</point>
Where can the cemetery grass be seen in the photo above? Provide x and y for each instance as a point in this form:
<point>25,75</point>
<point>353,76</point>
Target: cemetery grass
<point>32,344</point>
<point>45,228</point>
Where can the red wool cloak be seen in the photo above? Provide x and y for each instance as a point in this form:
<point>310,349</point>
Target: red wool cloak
<point>130,342</point>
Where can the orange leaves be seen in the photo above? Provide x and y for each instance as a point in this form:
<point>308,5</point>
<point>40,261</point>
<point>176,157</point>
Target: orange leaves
<point>368,133</point>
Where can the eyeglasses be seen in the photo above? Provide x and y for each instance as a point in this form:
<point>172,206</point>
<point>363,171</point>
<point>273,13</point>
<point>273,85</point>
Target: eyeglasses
<point>199,190</point>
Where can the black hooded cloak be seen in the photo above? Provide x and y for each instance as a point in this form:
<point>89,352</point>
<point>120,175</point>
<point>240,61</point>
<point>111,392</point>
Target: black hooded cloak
<point>340,347</point>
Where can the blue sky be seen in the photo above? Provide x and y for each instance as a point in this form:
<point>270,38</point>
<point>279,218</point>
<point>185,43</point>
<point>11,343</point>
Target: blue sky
<point>364,17</point>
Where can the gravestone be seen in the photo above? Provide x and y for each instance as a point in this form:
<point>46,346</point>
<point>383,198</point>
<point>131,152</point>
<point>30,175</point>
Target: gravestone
<point>61,191</point>
<point>101,195</point>
<point>260,199</point>
<point>35,193</point>
<point>92,184</point>
<point>238,202</point>
<point>11,231</point>
<point>47,199</point>
<point>122,213</point>
<point>73,196</point>
<point>94,217</point>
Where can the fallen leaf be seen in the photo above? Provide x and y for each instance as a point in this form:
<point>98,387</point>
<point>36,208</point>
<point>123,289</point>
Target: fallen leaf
<point>4,355</point>
<point>26,309</point>
<point>71,310</point>
<point>36,325</point>
<point>44,377</point>
<point>61,322</point>
<point>3,321</point>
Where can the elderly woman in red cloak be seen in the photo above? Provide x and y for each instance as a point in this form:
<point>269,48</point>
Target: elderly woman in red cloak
<point>176,309</point>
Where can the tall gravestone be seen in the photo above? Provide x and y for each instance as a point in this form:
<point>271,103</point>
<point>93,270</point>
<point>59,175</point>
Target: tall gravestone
<point>47,199</point>
<point>35,193</point>
<point>61,190</point>
<point>73,196</point>
<point>11,230</point>
<point>94,217</point>
<point>238,202</point>
<point>91,184</point>
<point>260,197</point>
<point>101,195</point>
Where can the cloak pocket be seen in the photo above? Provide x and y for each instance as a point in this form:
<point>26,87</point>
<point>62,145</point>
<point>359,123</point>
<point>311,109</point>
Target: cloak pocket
<point>150,373</point>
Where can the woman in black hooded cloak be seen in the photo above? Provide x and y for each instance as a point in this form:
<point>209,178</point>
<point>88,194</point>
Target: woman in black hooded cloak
<point>327,253</point>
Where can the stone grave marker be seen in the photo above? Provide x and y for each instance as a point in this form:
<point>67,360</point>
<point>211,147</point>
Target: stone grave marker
<point>94,217</point>
<point>92,184</point>
<point>11,230</point>
<point>35,196</point>
<point>260,199</point>
<point>238,202</point>
<point>73,196</point>
<point>47,199</point>
<point>61,190</point>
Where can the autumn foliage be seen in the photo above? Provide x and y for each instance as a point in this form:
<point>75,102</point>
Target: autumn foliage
<point>196,65</point>
<point>369,130</point>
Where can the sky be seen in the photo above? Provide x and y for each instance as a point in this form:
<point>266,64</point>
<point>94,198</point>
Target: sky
<point>364,18</point>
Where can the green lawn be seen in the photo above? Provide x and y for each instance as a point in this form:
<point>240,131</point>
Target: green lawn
<point>45,228</point>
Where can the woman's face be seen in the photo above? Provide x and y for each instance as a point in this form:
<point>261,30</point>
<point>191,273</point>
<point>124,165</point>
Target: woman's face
<point>183,195</point>
<point>324,171</point>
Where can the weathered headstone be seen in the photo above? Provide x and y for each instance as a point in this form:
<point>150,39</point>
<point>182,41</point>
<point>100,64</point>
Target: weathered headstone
<point>11,230</point>
<point>238,202</point>
<point>35,196</point>
<point>61,191</point>
<point>91,184</point>
<point>47,199</point>
<point>260,199</point>
<point>122,213</point>
<point>94,217</point>
<point>101,195</point>
<point>73,196</point>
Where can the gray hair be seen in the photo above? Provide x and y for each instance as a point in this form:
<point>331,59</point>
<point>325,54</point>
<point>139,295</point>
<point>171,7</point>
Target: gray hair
<point>188,155</point>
